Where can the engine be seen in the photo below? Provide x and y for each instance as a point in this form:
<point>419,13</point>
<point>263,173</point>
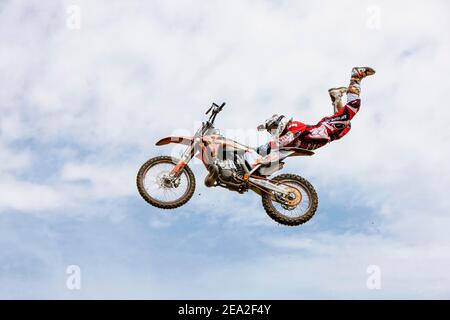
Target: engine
<point>226,173</point>
<point>227,168</point>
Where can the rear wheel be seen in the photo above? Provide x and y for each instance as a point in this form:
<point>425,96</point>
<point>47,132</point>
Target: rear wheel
<point>161,189</point>
<point>298,208</point>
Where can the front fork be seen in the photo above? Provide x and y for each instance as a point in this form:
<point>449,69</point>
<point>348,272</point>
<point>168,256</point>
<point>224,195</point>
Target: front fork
<point>187,155</point>
<point>196,147</point>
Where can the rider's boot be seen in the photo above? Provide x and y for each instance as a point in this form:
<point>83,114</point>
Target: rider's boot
<point>358,73</point>
<point>336,97</point>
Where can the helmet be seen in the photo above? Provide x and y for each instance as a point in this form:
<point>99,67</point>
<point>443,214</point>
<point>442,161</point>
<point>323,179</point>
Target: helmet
<point>275,125</point>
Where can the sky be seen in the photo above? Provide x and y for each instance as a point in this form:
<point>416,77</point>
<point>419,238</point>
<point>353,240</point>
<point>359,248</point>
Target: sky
<point>88,87</point>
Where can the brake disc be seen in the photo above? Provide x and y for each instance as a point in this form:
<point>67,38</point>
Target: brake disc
<point>292,200</point>
<point>166,181</point>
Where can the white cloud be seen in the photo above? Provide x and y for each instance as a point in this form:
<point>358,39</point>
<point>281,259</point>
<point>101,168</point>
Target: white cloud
<point>28,197</point>
<point>137,71</point>
<point>103,181</point>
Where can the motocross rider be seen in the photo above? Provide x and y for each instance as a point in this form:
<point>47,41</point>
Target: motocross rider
<point>289,133</point>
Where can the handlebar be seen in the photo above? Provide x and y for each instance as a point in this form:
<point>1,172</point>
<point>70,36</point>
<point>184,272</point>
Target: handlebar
<point>215,110</point>
<point>222,105</point>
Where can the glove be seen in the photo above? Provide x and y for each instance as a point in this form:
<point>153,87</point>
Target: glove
<point>264,150</point>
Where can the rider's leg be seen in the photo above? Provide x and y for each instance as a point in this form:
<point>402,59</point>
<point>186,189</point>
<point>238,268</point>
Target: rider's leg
<point>354,88</point>
<point>336,97</point>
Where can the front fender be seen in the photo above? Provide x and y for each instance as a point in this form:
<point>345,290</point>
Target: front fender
<point>174,139</point>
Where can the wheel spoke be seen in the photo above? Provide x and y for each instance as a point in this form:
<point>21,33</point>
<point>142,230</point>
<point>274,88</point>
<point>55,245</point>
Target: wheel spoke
<point>158,186</point>
<point>301,209</point>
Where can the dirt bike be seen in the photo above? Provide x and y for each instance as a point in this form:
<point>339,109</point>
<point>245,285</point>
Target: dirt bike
<point>167,183</point>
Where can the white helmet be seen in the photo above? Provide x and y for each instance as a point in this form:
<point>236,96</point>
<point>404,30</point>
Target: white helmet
<point>275,125</point>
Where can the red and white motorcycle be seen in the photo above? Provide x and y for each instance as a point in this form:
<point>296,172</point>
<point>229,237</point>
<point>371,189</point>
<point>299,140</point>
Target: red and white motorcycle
<point>168,183</point>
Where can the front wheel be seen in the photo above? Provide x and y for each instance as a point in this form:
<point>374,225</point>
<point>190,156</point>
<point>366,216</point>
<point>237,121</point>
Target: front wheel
<point>161,189</point>
<point>296,210</point>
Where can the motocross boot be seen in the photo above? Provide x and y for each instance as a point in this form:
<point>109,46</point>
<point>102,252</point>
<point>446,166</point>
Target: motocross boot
<point>336,97</point>
<point>358,73</point>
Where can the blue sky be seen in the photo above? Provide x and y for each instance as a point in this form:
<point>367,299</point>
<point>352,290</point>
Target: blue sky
<point>82,108</point>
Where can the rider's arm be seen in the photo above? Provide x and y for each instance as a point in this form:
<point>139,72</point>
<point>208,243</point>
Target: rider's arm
<point>276,143</point>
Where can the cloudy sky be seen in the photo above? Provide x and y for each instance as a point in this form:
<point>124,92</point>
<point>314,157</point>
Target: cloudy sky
<point>81,106</point>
